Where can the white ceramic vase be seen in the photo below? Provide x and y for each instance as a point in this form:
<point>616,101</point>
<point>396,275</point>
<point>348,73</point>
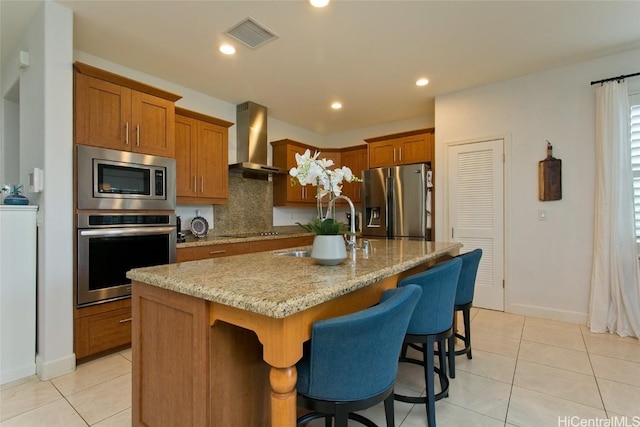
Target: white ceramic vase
<point>329,249</point>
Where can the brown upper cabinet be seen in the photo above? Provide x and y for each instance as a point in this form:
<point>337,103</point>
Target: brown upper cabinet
<point>201,158</point>
<point>355,158</point>
<point>401,148</point>
<point>115,112</point>
<point>284,156</point>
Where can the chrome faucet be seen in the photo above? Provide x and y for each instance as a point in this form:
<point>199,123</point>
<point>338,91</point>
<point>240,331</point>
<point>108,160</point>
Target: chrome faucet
<point>351,242</point>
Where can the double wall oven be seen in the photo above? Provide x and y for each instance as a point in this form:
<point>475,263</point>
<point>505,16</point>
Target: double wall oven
<point>126,219</point>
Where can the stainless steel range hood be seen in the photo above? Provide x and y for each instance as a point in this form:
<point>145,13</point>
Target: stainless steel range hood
<point>251,142</point>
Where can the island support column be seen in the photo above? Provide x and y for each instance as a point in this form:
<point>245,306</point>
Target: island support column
<point>283,392</point>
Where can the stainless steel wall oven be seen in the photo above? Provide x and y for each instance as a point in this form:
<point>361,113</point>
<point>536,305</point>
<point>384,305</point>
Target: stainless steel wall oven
<point>110,244</point>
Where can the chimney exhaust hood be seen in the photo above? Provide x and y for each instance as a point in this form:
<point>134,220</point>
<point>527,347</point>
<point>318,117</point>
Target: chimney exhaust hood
<point>251,142</point>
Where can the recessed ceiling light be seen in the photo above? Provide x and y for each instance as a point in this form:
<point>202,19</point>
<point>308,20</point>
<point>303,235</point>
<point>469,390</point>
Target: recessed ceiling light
<point>227,49</point>
<point>422,82</point>
<point>336,105</point>
<point>319,3</point>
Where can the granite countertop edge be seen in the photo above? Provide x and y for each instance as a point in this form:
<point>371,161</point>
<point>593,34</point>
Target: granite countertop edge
<point>169,277</point>
<point>193,241</point>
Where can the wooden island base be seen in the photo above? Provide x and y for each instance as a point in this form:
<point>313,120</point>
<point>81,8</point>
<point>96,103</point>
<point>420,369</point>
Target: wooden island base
<point>201,363</point>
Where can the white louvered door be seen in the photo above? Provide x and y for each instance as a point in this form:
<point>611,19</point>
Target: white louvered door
<point>475,180</point>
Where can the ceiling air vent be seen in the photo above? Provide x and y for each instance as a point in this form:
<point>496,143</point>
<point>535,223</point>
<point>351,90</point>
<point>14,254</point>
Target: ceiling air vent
<point>251,33</point>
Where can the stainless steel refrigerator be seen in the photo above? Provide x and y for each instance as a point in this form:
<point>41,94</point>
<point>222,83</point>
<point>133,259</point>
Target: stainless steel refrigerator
<point>397,201</point>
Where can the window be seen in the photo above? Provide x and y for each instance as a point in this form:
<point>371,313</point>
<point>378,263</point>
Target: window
<point>634,102</point>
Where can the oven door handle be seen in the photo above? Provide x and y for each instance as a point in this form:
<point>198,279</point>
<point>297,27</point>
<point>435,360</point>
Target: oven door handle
<point>132,231</point>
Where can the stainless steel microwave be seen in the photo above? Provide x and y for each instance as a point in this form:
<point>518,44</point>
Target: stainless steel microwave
<point>112,179</point>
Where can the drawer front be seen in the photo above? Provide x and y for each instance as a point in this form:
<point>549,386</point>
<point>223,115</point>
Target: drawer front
<point>211,251</point>
<point>272,245</point>
<point>102,332</point>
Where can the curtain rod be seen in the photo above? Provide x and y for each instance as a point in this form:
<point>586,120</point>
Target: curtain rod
<point>615,78</point>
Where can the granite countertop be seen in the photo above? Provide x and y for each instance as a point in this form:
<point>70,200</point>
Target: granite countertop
<point>192,241</point>
<point>279,286</point>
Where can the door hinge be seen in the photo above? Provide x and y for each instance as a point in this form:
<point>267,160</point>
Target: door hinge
<point>503,158</point>
<point>502,283</point>
<point>452,232</point>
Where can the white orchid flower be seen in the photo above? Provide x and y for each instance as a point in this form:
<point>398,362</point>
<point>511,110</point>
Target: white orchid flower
<point>314,171</point>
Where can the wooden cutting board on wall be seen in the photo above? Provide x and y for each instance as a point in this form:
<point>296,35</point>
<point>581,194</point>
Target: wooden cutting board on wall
<point>550,177</point>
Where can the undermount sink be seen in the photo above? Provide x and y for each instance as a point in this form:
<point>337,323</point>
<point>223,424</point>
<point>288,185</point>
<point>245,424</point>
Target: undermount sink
<point>298,253</point>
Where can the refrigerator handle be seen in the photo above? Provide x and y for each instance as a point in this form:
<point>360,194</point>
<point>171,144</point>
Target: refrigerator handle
<point>389,208</point>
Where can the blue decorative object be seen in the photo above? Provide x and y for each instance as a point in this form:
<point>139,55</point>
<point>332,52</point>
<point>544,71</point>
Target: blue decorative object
<point>15,198</point>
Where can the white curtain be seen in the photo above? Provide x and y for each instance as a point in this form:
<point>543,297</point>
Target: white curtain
<point>615,278</point>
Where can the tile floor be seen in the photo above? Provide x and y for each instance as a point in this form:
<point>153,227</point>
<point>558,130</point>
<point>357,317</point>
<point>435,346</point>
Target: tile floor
<point>525,371</point>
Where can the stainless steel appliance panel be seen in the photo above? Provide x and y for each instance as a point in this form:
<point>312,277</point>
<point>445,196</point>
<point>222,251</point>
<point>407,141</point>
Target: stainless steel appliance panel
<point>396,202</point>
<point>408,216</point>
<point>109,245</point>
<point>112,179</point>
<point>374,190</point>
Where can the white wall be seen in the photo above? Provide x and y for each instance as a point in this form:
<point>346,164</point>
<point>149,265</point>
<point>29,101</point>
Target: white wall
<point>357,136</point>
<point>46,139</point>
<point>548,263</point>
<point>10,146</point>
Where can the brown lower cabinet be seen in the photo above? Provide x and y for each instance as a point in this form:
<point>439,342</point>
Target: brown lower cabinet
<point>227,249</point>
<point>103,328</point>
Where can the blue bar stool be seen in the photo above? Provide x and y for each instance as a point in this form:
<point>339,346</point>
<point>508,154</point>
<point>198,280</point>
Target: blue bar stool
<point>432,322</point>
<point>463,302</point>
<point>351,361</point>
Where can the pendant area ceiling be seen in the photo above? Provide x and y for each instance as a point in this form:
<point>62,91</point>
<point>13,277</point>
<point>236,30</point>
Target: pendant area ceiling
<point>365,54</point>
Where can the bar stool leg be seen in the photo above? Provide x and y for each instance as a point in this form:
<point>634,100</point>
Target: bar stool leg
<point>427,354</point>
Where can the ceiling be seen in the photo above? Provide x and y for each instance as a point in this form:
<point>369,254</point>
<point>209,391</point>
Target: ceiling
<point>366,54</point>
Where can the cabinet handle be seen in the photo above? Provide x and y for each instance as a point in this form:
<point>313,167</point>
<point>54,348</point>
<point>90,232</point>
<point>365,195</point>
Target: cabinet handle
<point>126,133</point>
<point>221,251</point>
<point>400,150</point>
<point>125,320</point>
<point>138,135</point>
<point>202,184</point>
<point>394,155</point>
<point>195,184</point>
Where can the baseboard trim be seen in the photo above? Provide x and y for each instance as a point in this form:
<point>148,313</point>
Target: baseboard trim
<point>55,368</point>
<point>549,313</point>
<point>18,373</point>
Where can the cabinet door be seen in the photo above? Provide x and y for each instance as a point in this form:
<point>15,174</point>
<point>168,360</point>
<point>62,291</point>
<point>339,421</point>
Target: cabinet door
<point>334,155</point>
<point>102,332</point>
<point>212,179</point>
<point>102,113</point>
<point>186,156</point>
<point>414,149</point>
<point>153,129</point>
<point>352,161</point>
<point>295,193</point>
<point>356,160</point>
<point>381,153</point>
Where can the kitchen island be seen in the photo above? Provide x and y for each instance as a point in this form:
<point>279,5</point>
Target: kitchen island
<point>215,341</point>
